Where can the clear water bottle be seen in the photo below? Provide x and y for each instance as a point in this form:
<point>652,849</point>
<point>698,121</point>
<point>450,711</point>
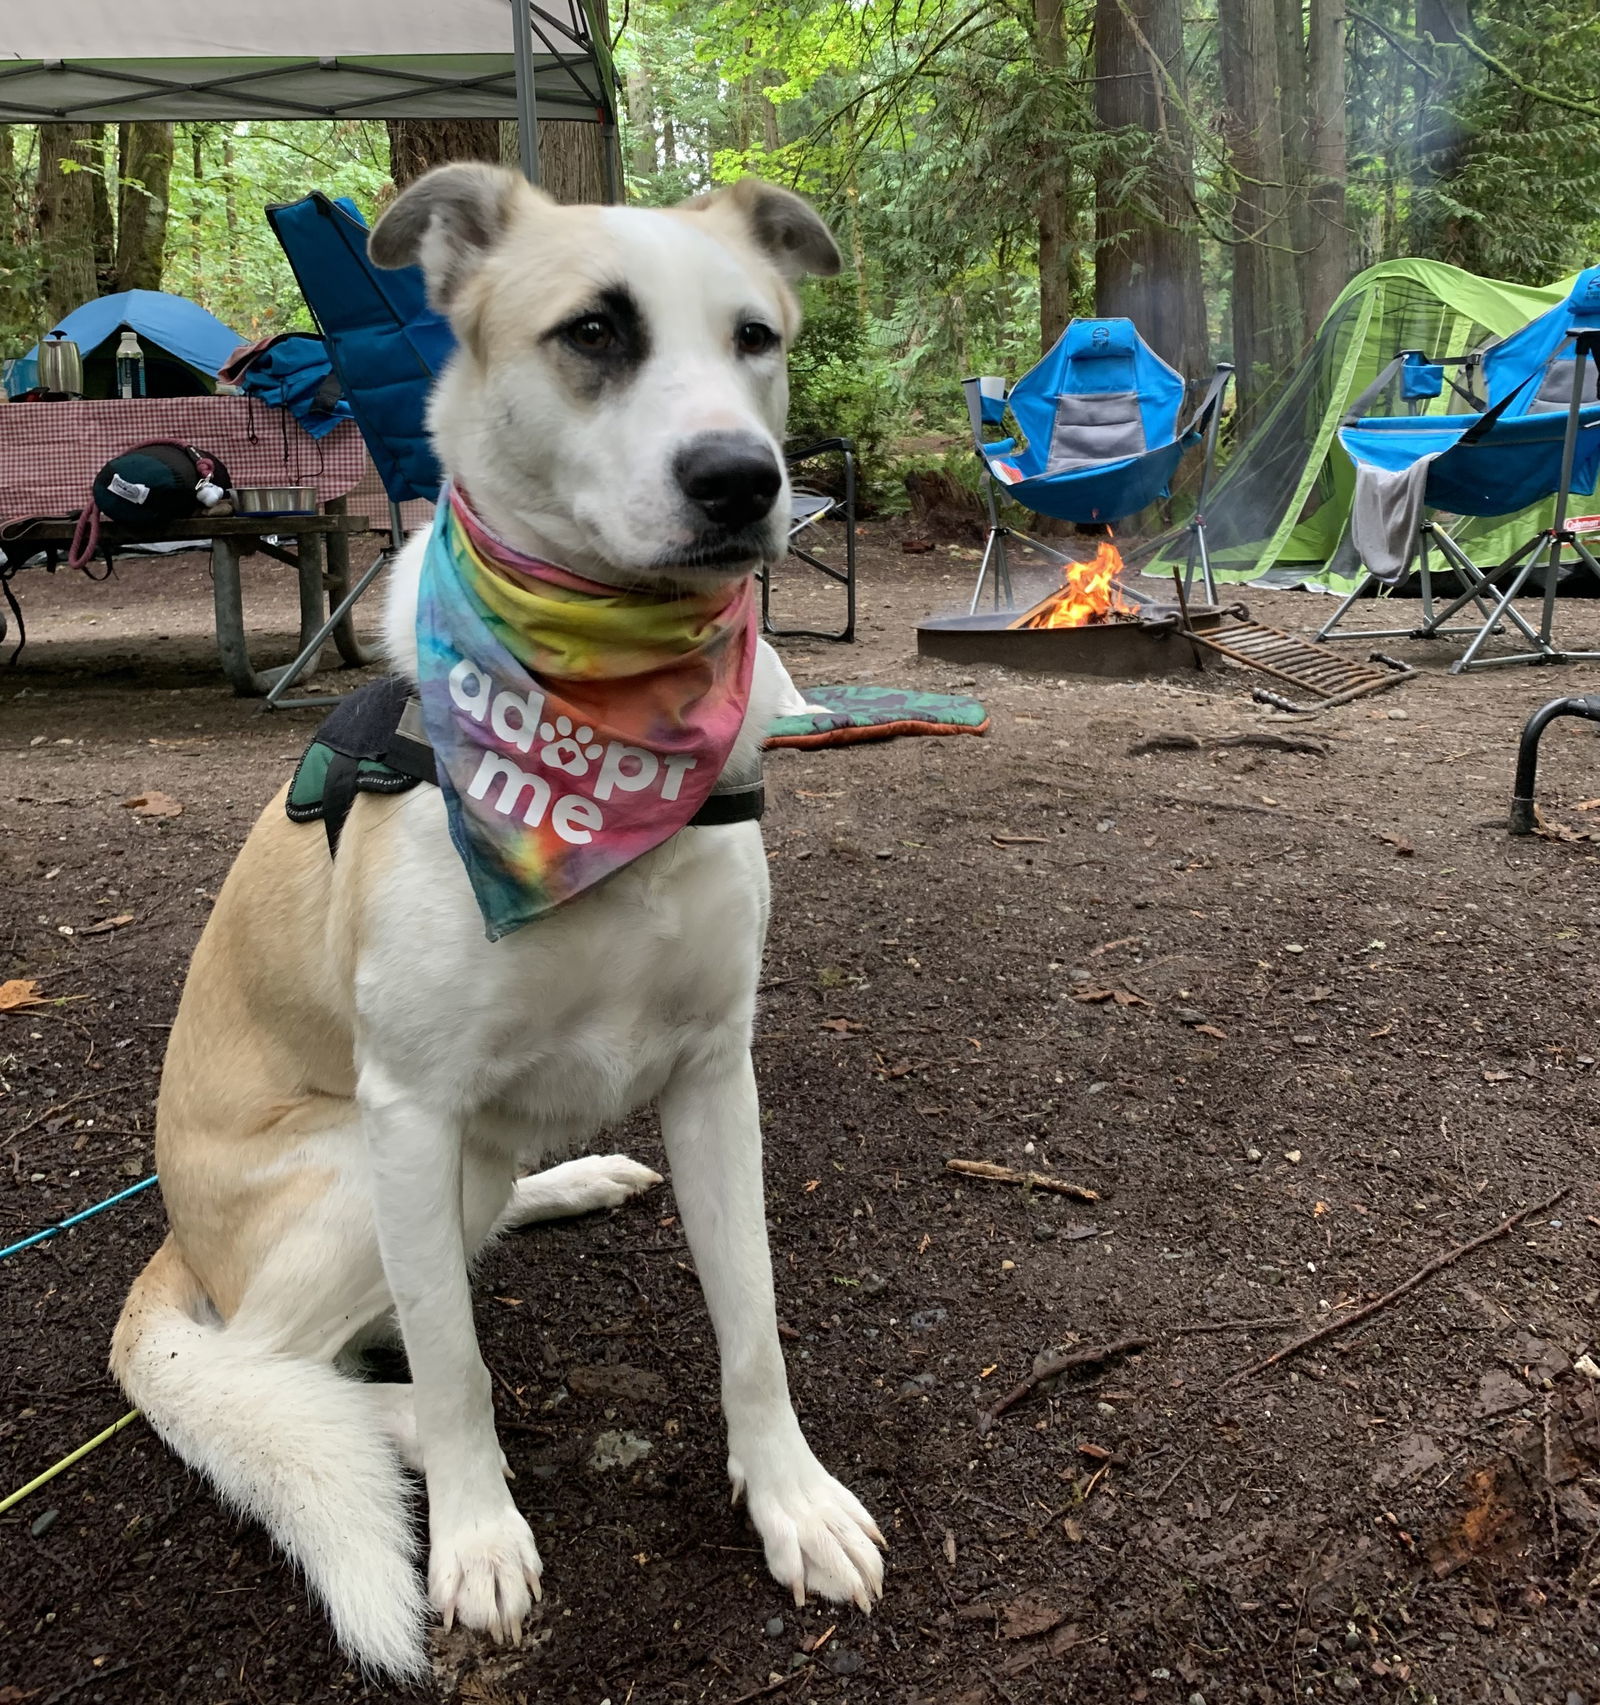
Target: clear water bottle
<point>130,366</point>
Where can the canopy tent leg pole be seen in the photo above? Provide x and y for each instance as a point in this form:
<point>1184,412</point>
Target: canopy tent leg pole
<point>527,98</point>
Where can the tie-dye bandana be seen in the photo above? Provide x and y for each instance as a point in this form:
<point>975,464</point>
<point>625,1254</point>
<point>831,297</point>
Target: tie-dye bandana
<point>575,726</point>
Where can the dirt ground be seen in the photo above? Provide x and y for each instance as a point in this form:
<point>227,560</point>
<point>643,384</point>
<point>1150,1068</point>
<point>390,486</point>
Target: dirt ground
<point>1304,1020</point>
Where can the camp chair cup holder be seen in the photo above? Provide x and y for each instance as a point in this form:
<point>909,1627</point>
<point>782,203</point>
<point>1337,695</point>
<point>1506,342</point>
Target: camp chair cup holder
<point>1098,439</point>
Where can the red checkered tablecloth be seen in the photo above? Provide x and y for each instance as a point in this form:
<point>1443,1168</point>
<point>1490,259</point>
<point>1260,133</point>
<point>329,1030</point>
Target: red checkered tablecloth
<point>50,452</point>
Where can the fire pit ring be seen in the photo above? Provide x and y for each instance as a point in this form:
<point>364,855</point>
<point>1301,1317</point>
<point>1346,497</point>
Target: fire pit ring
<point>1153,643</point>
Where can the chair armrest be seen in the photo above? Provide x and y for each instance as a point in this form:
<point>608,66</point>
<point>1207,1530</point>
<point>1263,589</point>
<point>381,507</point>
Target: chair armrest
<point>821,447</point>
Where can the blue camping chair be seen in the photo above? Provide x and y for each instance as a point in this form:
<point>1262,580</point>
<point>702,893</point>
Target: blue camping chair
<point>1536,435</point>
<point>386,345</point>
<point>1100,439</point>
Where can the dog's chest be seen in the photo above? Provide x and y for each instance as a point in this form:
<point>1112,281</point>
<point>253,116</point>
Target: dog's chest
<point>570,1023</point>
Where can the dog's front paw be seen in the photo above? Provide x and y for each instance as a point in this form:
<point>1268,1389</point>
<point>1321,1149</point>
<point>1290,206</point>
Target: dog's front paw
<point>817,1534</point>
<point>484,1574</point>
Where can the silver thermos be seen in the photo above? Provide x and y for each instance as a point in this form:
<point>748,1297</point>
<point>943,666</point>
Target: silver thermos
<point>60,366</point>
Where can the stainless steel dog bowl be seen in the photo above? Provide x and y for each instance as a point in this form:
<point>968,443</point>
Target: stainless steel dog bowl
<point>275,500</point>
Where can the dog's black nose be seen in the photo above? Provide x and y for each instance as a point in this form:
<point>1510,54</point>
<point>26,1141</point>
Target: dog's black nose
<point>733,479</point>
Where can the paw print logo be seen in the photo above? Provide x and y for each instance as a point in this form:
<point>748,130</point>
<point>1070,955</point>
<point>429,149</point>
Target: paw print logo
<point>568,747</point>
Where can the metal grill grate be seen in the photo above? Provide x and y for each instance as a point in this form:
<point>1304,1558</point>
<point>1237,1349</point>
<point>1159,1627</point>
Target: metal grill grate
<point>1329,677</point>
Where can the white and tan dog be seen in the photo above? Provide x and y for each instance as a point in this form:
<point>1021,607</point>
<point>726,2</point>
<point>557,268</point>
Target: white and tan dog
<point>358,1081</point>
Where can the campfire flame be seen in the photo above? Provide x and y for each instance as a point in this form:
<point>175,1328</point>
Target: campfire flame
<point>1090,594</point>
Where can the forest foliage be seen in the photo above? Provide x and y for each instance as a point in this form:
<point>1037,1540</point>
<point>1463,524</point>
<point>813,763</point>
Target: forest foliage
<point>1217,169</point>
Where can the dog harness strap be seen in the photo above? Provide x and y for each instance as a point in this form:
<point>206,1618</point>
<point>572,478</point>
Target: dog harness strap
<point>338,795</point>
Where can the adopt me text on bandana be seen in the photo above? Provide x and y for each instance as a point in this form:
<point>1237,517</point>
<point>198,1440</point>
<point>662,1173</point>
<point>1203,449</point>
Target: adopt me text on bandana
<point>575,726</point>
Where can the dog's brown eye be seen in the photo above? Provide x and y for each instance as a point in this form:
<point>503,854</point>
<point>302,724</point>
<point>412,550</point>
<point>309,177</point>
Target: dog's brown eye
<point>594,333</point>
<point>755,339</point>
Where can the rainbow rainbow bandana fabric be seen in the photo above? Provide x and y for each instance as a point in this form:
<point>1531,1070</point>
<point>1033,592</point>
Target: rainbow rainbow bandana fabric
<point>576,727</point>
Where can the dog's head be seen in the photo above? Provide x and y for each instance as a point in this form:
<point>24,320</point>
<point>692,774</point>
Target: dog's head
<point>620,391</point>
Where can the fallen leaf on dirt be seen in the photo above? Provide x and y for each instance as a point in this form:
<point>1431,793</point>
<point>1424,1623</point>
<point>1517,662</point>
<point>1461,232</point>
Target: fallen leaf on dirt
<point>1073,1529</point>
<point>106,925</point>
<point>916,547</point>
<point>1028,1616</point>
<point>1403,848</point>
<point>844,1026</point>
<point>1097,997</point>
<point>1211,1030</point>
<point>811,1184</point>
<point>1096,1453</point>
<point>20,992</point>
<point>1497,1077</point>
<point>1107,946</point>
<point>153,805</point>
<point>618,1381</point>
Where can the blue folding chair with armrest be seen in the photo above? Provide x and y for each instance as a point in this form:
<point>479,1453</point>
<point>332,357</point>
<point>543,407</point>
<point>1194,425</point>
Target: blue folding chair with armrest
<point>387,346</point>
<point>1537,436</point>
<point>1100,440</point>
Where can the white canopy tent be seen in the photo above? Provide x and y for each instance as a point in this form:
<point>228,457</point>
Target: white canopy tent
<point>98,61</point>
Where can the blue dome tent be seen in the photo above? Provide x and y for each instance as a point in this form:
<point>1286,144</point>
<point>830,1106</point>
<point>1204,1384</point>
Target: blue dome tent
<point>183,344</point>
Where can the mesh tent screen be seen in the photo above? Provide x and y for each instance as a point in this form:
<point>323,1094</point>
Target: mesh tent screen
<point>1283,499</point>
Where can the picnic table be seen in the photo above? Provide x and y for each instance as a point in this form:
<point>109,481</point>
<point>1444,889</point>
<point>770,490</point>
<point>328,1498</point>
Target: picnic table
<point>51,452</point>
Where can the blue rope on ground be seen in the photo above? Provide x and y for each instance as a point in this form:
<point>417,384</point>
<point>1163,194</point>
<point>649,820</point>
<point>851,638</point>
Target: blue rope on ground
<point>88,1213</point>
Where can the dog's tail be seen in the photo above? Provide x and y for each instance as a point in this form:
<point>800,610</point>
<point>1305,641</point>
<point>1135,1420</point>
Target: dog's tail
<point>288,1442</point>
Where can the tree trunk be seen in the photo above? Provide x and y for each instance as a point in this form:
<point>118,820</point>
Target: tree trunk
<point>1327,262</point>
<point>641,130</point>
<point>103,154</point>
<point>417,145</point>
<point>1294,104</point>
<point>1053,210</point>
<point>197,166</point>
<point>144,183</point>
<point>572,160</point>
<point>1147,260</point>
<point>1266,306</point>
<point>64,217</point>
<point>771,136</point>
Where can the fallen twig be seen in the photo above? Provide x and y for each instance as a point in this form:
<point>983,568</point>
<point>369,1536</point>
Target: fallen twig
<point>1049,1368</point>
<point>61,1107</point>
<point>1033,1180</point>
<point>1167,1484</point>
<point>1422,1274</point>
<point>1235,1325</point>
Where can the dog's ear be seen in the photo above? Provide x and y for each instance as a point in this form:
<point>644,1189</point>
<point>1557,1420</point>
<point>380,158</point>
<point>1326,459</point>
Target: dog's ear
<point>784,227</point>
<point>446,222</point>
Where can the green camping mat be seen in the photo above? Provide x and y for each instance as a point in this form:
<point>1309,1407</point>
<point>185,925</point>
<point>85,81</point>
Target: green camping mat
<point>848,714</point>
